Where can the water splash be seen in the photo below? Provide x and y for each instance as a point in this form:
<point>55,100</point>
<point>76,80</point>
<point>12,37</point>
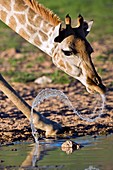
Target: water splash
<point>34,131</point>
<point>47,93</point>
<point>93,117</point>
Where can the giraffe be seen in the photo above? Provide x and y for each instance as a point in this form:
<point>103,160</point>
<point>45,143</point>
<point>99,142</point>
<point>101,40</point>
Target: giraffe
<point>67,46</point>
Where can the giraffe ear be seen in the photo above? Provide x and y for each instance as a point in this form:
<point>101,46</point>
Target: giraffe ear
<point>60,37</point>
<point>87,27</point>
<point>56,32</point>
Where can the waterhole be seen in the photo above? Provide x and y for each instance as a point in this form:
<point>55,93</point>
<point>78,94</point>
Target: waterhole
<point>97,154</point>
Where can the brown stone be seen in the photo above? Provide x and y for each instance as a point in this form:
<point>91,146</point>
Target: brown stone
<point>70,146</point>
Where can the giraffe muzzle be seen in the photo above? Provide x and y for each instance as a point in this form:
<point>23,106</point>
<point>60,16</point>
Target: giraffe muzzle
<point>99,88</point>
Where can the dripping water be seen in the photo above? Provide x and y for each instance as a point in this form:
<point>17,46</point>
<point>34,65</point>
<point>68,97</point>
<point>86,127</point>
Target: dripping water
<point>93,117</point>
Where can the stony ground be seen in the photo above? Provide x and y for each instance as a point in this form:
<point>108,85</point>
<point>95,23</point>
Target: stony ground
<point>14,126</point>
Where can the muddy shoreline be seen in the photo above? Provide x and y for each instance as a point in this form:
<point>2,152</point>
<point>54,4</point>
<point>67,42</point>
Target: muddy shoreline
<point>14,126</point>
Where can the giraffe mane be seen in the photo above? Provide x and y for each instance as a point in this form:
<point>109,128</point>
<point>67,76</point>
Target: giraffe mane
<point>45,13</point>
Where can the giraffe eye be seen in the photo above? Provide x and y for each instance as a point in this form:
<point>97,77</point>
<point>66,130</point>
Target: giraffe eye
<point>67,53</point>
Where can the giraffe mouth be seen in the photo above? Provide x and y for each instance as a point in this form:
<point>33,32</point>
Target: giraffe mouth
<point>100,88</point>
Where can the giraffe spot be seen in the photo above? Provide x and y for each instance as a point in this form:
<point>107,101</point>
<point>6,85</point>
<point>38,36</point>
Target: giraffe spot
<point>32,20</point>
<point>6,4</point>
<point>37,41</point>
<point>51,31</point>
<point>31,30</point>
<point>19,6</point>
<point>61,63</point>
<point>52,49</point>
<point>69,68</point>
<point>44,37</point>
<point>31,14</point>
<point>12,22</point>
<point>21,18</point>
<point>23,33</point>
<point>46,27</point>
<point>3,15</point>
<point>36,21</point>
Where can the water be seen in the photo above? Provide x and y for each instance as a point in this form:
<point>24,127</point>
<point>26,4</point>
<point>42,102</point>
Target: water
<point>97,154</point>
<point>48,155</point>
<point>95,114</point>
<point>47,93</point>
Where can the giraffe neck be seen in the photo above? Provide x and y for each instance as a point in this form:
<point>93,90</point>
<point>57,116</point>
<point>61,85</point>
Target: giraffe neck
<point>29,19</point>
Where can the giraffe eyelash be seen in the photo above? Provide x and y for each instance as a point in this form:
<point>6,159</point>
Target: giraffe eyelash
<point>67,53</point>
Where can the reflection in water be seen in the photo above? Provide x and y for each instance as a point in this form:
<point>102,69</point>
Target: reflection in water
<point>32,157</point>
<point>36,154</point>
<point>68,150</point>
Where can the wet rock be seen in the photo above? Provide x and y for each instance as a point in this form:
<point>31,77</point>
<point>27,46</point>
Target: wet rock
<point>70,146</point>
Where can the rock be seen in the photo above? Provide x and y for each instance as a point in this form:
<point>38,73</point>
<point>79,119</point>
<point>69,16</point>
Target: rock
<point>43,80</point>
<point>70,146</point>
<point>9,134</point>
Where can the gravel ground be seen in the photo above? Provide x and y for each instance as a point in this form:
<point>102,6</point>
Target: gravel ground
<point>14,126</point>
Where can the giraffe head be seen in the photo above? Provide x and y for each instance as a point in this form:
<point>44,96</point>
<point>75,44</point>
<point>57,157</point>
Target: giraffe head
<point>73,54</point>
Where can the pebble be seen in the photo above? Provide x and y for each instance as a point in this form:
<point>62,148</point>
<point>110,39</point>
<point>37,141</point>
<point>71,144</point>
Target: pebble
<point>43,80</point>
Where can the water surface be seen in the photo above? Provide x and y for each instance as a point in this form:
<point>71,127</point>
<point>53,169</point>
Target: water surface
<point>97,154</point>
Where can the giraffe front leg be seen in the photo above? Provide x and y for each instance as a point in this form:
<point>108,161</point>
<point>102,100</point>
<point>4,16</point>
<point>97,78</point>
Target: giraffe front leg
<point>40,122</point>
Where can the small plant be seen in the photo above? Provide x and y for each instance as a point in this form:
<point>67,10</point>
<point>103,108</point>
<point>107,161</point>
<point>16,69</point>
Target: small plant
<point>15,62</point>
<point>102,58</point>
<point>101,71</point>
<point>18,76</point>
<point>30,65</point>
<point>59,77</point>
<point>40,59</point>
